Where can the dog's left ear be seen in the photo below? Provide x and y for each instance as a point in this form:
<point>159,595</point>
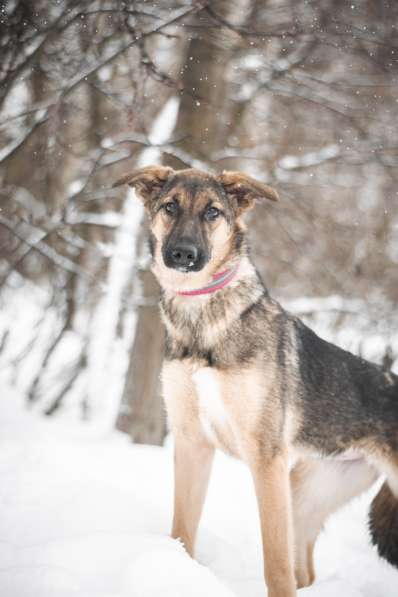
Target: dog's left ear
<point>244,190</point>
<point>147,181</point>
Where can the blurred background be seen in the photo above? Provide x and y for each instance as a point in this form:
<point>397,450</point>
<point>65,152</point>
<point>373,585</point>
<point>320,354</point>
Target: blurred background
<point>300,94</point>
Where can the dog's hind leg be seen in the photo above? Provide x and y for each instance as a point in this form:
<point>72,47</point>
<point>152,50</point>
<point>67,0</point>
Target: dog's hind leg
<point>383,517</point>
<point>319,488</point>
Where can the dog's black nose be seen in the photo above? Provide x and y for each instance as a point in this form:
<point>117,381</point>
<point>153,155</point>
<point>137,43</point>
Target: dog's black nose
<point>185,254</point>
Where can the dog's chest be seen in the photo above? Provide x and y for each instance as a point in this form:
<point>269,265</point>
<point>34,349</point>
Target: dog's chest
<point>212,409</point>
<point>225,406</point>
<point>225,410</point>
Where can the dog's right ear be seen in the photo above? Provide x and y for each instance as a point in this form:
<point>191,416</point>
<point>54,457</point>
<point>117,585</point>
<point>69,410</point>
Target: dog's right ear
<point>147,181</point>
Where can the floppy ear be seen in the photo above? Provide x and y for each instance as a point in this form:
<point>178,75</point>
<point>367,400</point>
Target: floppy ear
<point>244,190</point>
<point>147,181</point>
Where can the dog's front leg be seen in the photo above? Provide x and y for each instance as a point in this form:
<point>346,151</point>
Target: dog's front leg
<point>271,480</point>
<point>192,466</point>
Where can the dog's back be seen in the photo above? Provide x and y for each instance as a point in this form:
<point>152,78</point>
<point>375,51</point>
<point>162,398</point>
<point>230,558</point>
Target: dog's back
<point>345,399</point>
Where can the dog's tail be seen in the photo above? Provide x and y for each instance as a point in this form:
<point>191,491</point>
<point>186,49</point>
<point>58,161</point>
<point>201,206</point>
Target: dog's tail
<point>383,524</point>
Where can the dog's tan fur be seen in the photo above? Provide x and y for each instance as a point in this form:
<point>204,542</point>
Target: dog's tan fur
<point>240,435</point>
<point>225,387</point>
<point>319,488</point>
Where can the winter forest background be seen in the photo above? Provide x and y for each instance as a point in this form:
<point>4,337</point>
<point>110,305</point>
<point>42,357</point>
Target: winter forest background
<point>301,94</point>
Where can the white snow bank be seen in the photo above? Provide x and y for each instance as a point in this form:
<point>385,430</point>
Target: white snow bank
<point>84,513</point>
<point>177,575</point>
<point>330,588</point>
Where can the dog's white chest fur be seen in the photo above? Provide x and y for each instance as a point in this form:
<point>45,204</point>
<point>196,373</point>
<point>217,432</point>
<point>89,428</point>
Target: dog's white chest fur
<point>212,412</point>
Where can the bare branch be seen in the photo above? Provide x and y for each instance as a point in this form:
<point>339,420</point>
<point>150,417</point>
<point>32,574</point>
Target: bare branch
<point>8,151</point>
<point>46,251</point>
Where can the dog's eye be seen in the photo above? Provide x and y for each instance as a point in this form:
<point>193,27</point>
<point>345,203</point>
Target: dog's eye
<point>212,213</point>
<point>170,208</point>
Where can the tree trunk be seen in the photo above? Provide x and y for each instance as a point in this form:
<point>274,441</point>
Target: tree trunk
<point>141,413</point>
<point>207,115</point>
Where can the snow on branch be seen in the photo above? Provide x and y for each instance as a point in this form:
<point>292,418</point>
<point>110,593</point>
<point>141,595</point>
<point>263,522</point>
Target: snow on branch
<point>45,250</point>
<point>9,150</point>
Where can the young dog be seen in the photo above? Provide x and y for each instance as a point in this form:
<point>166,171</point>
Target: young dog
<point>243,375</point>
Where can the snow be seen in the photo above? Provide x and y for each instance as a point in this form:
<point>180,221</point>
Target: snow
<point>86,512</point>
<point>188,577</point>
<point>111,219</point>
<point>313,158</point>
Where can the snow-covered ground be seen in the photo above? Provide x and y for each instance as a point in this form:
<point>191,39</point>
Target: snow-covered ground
<point>85,513</point>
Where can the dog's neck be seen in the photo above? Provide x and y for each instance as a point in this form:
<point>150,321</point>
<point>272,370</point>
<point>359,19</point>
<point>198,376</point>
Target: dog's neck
<point>215,286</point>
<point>197,325</point>
<point>219,280</point>
<point>184,315</point>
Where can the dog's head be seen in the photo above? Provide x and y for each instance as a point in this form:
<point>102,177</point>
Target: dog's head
<point>195,218</point>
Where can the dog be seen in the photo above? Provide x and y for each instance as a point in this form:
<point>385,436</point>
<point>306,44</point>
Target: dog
<point>243,375</point>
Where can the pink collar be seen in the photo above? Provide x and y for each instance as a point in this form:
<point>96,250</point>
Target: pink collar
<point>219,281</point>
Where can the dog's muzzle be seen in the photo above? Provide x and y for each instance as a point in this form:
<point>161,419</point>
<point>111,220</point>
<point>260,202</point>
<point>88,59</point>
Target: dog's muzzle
<point>184,256</point>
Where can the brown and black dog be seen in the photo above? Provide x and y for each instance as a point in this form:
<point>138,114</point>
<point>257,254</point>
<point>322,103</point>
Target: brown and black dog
<point>243,375</point>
